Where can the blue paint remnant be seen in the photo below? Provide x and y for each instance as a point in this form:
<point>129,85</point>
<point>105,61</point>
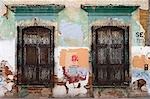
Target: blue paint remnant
<point>141,74</point>
<point>71,30</point>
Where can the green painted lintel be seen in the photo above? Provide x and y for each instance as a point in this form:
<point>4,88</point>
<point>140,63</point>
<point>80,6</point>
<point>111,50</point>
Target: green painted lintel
<point>21,9</point>
<point>36,14</point>
<point>109,9</point>
<point>109,14</point>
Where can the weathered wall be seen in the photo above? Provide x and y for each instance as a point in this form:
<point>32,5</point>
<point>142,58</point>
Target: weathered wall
<point>144,20</point>
<point>77,3</point>
<point>139,56</point>
<point>73,44</point>
<point>7,51</point>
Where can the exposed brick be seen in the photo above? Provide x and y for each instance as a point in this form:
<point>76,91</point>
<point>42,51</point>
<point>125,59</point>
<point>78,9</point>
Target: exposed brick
<point>46,92</point>
<point>144,20</point>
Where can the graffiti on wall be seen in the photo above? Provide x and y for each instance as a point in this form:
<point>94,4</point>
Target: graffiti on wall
<point>140,37</point>
<point>141,73</point>
<point>74,64</point>
<point>74,73</point>
<point>141,80</point>
<point>75,68</point>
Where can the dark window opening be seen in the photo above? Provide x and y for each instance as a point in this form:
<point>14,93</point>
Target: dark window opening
<point>110,55</point>
<point>35,55</point>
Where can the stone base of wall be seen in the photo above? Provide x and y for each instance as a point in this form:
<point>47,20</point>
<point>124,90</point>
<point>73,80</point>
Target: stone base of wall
<point>97,93</point>
<point>118,93</point>
<point>110,93</point>
<point>137,93</point>
<point>40,91</point>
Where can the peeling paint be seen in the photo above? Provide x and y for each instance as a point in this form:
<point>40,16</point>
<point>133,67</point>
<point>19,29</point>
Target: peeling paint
<point>75,69</point>
<point>6,79</point>
<point>76,21</point>
<point>73,61</point>
<point>140,61</point>
<point>66,57</point>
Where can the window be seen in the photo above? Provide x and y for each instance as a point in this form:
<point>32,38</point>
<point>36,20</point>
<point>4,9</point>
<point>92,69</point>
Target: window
<point>110,52</point>
<point>35,55</point>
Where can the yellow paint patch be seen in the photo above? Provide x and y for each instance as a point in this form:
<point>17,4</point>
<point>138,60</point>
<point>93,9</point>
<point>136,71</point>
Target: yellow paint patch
<point>77,57</point>
<point>140,61</point>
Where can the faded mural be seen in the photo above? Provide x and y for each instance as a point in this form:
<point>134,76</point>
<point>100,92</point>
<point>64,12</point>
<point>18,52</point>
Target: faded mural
<point>73,67</point>
<point>73,72</point>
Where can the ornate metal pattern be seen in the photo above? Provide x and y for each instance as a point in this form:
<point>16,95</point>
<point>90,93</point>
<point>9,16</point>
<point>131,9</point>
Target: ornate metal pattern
<point>110,55</point>
<point>35,55</point>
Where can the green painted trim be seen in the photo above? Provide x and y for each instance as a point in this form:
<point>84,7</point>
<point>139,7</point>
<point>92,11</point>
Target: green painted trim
<point>109,9</point>
<point>109,14</point>
<point>37,9</point>
<point>36,14</point>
